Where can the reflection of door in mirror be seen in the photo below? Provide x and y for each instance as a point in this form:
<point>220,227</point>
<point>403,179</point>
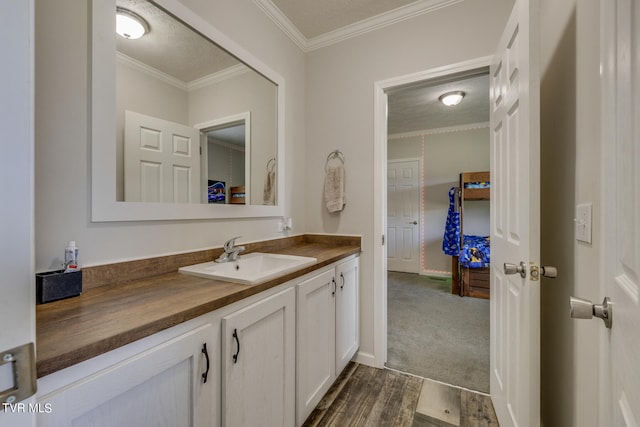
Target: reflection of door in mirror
<point>226,154</point>
<point>174,73</point>
<point>162,160</point>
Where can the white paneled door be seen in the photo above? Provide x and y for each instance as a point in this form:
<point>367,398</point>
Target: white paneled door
<point>403,216</point>
<point>17,288</point>
<point>515,220</point>
<point>620,345</point>
<point>161,160</point>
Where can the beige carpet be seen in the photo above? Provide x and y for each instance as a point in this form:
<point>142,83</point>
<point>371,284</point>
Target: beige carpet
<point>437,335</point>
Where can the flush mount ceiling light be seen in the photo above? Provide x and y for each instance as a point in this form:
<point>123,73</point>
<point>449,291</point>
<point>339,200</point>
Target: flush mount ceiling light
<point>129,25</point>
<point>452,98</point>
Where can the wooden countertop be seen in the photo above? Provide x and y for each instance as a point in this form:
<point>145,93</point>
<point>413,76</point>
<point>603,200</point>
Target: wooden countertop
<point>109,315</point>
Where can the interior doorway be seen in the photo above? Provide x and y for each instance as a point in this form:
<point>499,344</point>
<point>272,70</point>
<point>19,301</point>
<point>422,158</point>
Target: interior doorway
<point>431,331</point>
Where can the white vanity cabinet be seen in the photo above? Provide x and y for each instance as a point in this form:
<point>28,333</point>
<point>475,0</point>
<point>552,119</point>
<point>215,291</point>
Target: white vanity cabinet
<point>327,336</point>
<point>347,312</point>
<point>305,330</point>
<point>258,363</point>
<point>141,384</point>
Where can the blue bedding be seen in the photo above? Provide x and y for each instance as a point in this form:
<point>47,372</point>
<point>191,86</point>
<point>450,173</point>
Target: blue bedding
<point>475,252</point>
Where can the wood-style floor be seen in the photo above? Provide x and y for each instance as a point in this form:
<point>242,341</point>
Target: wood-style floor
<point>366,396</point>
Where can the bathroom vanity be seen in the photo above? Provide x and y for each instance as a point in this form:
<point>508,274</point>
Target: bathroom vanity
<point>173,349</point>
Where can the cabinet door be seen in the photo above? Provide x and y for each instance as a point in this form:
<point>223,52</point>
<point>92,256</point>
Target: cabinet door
<point>162,386</point>
<point>347,316</point>
<point>258,363</point>
<point>315,341</point>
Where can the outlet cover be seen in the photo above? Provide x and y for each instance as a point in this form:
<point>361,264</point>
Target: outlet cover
<point>583,222</point>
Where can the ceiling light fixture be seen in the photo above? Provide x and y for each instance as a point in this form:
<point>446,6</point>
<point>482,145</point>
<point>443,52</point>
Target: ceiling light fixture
<point>129,25</point>
<point>452,98</point>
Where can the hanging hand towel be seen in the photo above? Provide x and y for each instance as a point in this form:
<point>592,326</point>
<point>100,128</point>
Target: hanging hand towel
<point>451,240</point>
<point>334,195</point>
<point>269,192</point>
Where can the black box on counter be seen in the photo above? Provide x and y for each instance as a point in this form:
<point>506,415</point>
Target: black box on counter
<point>55,285</point>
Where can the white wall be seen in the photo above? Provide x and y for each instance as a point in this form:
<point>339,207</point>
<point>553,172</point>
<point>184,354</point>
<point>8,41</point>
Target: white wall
<point>446,155</point>
<point>340,111</point>
<point>570,162</point>
<point>62,175</point>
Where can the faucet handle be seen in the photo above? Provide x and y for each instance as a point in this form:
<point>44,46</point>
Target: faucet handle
<point>229,244</point>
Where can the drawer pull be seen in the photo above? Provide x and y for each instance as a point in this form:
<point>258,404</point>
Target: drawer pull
<point>235,356</point>
<point>206,355</point>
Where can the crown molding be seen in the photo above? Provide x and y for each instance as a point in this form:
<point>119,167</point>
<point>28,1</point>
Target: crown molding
<point>361,27</point>
<point>450,129</point>
<point>196,84</point>
<point>217,77</point>
<point>282,22</point>
<point>153,72</point>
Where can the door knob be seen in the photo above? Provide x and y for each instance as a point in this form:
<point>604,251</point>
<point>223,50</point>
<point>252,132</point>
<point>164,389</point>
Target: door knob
<point>413,222</point>
<point>513,269</point>
<point>584,309</point>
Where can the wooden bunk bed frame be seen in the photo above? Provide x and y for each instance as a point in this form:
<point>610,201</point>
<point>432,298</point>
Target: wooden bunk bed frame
<point>473,282</point>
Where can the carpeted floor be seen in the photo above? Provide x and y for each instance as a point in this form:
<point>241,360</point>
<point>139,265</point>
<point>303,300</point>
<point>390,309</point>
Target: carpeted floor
<point>434,334</point>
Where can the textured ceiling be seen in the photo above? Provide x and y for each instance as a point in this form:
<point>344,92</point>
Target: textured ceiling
<point>315,17</point>
<point>171,47</point>
<point>416,108</point>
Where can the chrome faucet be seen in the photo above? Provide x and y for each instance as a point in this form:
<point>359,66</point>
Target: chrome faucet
<point>231,251</point>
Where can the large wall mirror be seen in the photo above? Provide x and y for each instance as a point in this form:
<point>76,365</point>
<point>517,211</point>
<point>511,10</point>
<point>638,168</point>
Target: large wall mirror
<point>182,127</point>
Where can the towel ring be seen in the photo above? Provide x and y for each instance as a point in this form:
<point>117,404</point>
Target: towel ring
<point>271,164</point>
<point>335,154</point>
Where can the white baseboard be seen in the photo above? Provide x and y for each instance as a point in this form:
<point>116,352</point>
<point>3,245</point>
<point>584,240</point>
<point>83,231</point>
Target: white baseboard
<point>365,359</point>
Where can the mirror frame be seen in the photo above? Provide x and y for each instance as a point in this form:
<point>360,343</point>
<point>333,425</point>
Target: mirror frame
<point>104,207</point>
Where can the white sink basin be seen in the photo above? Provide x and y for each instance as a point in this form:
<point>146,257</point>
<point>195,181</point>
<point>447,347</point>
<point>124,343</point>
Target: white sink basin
<point>249,269</point>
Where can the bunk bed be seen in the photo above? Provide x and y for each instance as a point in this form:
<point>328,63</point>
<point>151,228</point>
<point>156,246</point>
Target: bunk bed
<point>470,267</point>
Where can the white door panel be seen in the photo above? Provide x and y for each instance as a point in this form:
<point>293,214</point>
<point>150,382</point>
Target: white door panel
<point>515,218</point>
<point>162,160</point>
<point>403,216</point>
<point>619,373</point>
<point>17,304</point>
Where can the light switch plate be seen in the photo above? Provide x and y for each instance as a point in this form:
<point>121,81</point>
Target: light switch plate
<point>583,222</point>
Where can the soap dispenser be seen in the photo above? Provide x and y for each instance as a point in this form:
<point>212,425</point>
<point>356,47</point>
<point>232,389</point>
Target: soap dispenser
<point>71,256</point>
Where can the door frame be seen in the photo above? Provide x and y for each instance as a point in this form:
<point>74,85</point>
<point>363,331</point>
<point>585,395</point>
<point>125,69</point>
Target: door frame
<point>219,123</point>
<point>381,87</point>
<point>420,161</point>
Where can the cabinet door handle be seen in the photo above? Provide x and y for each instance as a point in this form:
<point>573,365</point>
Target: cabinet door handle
<point>333,282</point>
<point>206,355</point>
<point>235,356</point>
<point>342,277</point>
